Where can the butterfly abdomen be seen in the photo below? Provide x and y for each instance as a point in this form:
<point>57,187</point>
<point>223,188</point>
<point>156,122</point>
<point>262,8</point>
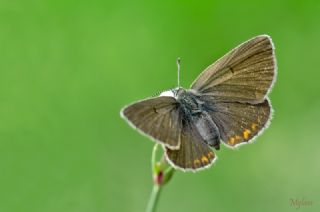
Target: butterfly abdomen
<point>207,129</point>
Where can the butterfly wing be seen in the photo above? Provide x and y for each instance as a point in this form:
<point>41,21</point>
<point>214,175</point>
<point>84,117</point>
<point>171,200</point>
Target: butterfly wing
<point>238,123</point>
<point>194,153</point>
<point>158,118</point>
<point>235,87</point>
<point>245,74</point>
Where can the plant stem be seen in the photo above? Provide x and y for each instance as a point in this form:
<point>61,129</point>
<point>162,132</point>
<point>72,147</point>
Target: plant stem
<point>151,207</point>
<point>154,198</point>
<point>162,174</point>
<point>153,158</point>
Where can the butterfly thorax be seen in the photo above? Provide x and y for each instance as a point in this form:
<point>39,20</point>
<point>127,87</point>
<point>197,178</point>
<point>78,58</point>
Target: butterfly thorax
<point>188,101</point>
<point>194,113</point>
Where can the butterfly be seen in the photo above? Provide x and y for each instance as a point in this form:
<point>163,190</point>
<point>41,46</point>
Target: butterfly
<point>228,103</point>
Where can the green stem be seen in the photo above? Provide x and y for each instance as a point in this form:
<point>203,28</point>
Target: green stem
<point>162,173</point>
<point>153,158</point>
<point>154,198</point>
<point>156,188</point>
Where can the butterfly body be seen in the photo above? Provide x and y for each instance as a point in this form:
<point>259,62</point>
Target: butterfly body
<point>194,110</point>
<point>227,104</point>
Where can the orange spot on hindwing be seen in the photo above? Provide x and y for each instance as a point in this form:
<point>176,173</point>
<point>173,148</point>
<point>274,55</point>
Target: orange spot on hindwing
<point>254,126</point>
<point>210,155</point>
<point>204,159</point>
<point>246,133</point>
<point>196,162</point>
<point>238,138</point>
<point>232,140</point>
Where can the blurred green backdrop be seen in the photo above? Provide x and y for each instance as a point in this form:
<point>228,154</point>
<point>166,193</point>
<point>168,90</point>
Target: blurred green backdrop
<point>68,67</point>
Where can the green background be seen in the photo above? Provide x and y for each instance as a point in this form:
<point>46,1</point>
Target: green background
<point>68,67</point>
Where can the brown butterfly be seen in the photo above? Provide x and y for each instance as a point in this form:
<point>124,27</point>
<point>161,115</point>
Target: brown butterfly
<point>228,102</point>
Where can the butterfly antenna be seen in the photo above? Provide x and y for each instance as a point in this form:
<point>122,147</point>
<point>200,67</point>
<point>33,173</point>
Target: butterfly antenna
<point>178,64</point>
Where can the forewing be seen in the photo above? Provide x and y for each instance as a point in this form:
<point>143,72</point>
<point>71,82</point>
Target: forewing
<point>194,154</point>
<point>239,123</point>
<point>158,118</point>
<point>245,74</point>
